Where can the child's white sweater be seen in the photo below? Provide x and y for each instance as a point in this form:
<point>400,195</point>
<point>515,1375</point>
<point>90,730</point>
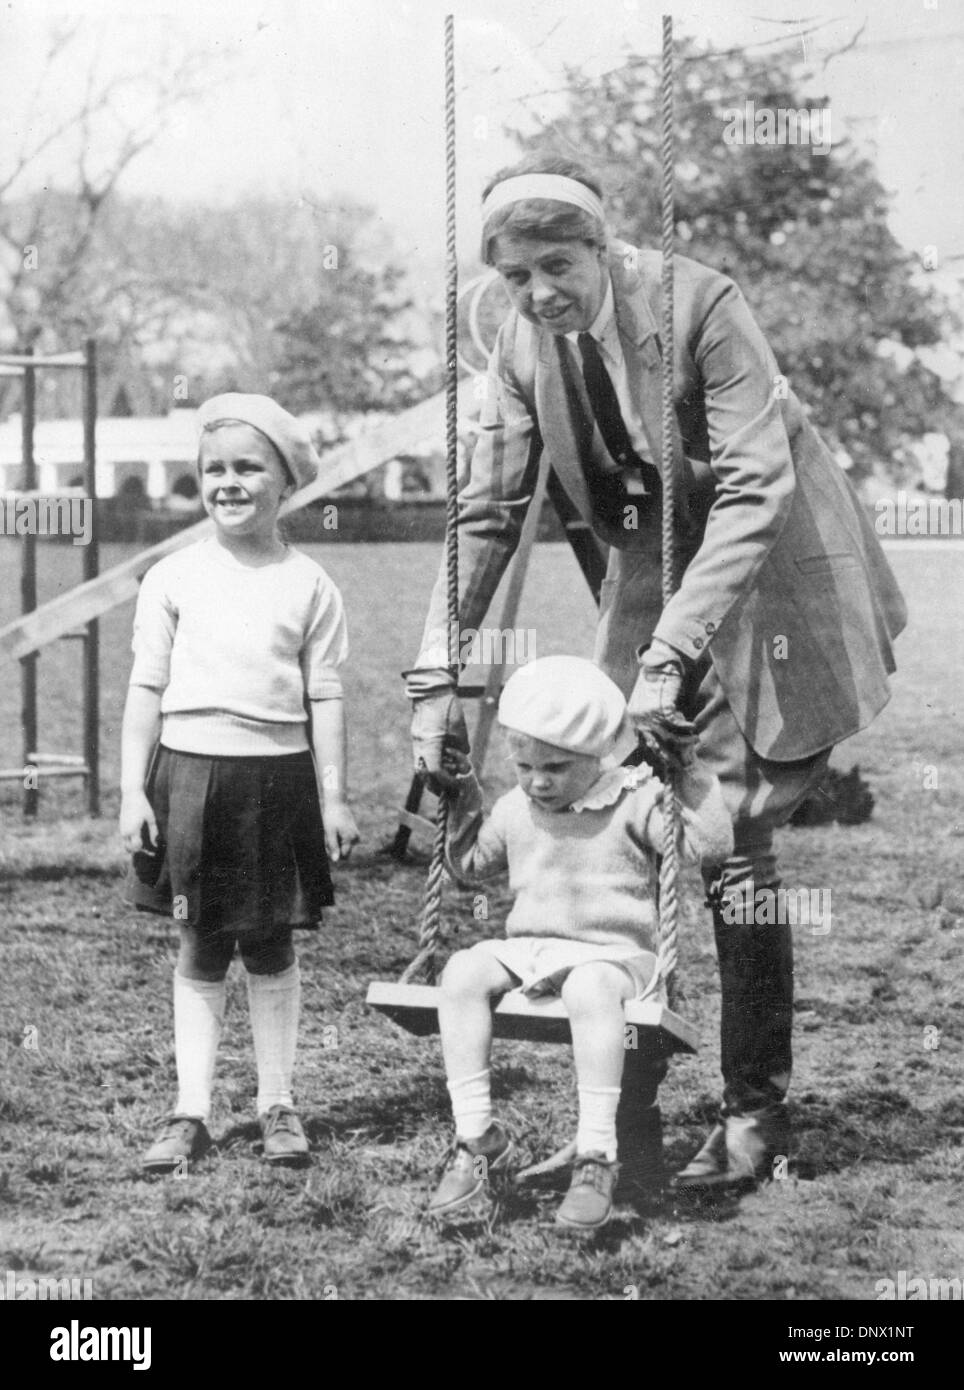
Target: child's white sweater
<point>237,650</point>
<point>588,873</point>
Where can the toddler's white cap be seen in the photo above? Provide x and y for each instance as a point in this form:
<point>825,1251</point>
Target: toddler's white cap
<point>285,431</point>
<point>570,703</point>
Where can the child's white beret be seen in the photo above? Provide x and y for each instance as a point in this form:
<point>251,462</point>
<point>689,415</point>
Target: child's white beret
<point>570,703</point>
<point>286,433</point>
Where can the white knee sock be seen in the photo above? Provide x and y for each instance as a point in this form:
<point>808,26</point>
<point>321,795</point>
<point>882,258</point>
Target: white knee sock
<point>597,1120</point>
<point>198,1013</point>
<point>471,1105</point>
<point>274,1002</point>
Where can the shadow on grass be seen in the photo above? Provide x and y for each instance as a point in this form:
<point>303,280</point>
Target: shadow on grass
<point>705,1208</point>
<point>866,1125</point>
<point>244,1132</point>
<point>384,1117</point>
<point>393,1115</point>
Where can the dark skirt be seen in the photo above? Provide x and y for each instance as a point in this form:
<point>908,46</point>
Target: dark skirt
<point>242,844</point>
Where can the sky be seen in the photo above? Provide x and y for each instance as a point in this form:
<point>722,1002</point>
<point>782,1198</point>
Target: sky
<point>344,97</point>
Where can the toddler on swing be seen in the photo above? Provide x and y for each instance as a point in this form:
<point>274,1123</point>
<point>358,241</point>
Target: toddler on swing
<point>579,836</point>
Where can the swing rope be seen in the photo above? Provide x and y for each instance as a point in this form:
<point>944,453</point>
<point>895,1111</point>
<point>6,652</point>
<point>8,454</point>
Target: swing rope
<point>668,954</point>
<point>430,926</point>
<point>431,923</point>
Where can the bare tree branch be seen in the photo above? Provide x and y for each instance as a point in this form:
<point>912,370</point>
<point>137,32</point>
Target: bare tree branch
<point>105,121</point>
<point>846,48</point>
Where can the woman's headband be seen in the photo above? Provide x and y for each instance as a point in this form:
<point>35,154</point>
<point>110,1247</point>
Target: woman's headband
<point>555,187</point>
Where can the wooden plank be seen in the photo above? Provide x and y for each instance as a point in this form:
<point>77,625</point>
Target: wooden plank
<point>507,618</point>
<point>115,586</point>
<point>50,621</point>
<point>591,555</point>
<point>516,1016</point>
<point>489,692</point>
<point>398,434</point>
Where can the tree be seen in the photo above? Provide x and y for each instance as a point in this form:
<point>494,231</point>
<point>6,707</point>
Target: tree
<point>355,348</point>
<point>184,299</point>
<point>190,300</point>
<point>95,122</point>
<point>197,291</point>
<point>803,233</point>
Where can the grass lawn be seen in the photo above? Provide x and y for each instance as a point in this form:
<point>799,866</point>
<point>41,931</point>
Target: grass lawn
<point>873,1185</point>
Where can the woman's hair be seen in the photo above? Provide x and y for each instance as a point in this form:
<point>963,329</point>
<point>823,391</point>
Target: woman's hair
<point>543,219</point>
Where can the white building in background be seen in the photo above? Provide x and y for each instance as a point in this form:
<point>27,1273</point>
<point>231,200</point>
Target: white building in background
<point>154,455</point>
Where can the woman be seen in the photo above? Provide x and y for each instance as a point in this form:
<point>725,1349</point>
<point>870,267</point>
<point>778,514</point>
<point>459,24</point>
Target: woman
<point>777,644</point>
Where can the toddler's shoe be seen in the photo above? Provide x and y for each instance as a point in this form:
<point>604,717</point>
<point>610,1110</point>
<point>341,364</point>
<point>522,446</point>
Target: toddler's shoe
<point>285,1143</point>
<point>589,1202</point>
<point>180,1139</point>
<point>472,1163</point>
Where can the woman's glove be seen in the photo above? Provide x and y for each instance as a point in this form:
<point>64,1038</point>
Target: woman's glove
<point>438,726</point>
<point>653,704</point>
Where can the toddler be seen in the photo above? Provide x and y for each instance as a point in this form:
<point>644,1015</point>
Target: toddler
<point>580,836</point>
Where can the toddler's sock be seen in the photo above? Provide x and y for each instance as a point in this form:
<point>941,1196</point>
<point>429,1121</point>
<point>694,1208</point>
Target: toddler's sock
<point>471,1104</point>
<point>198,1014</point>
<point>274,1002</point>
<point>597,1120</point>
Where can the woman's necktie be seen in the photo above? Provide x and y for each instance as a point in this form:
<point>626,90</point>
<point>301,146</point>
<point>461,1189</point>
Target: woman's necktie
<point>607,488</point>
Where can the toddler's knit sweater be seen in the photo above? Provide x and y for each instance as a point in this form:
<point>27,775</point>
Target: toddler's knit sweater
<point>587,873</point>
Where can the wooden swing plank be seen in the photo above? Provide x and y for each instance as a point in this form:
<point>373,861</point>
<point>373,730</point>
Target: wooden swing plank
<point>516,1016</point>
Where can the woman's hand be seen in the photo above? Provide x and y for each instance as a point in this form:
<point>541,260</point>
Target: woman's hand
<point>653,706</point>
<point>341,832</point>
<point>454,763</point>
<point>136,816</point>
<point>438,728</point>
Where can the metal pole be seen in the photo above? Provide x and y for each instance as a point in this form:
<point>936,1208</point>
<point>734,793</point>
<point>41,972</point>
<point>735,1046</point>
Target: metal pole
<point>28,593</point>
<point>91,570</point>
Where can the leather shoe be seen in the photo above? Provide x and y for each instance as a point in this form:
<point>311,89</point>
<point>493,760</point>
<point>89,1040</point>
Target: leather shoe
<point>589,1201</point>
<point>180,1140</point>
<point>470,1166</point>
<point>285,1144</point>
<point>739,1152</point>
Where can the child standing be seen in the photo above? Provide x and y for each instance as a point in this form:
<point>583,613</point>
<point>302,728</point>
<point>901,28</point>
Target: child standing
<point>579,836</point>
<point>234,722</point>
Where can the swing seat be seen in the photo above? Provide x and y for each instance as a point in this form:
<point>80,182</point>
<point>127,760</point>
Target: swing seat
<point>656,1029</point>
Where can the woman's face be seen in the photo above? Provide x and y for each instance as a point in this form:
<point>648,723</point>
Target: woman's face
<point>559,285</point>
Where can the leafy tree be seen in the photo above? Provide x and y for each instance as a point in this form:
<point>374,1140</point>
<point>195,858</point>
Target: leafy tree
<point>186,300</point>
<point>803,233</point>
<point>198,293</point>
<point>356,347</point>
